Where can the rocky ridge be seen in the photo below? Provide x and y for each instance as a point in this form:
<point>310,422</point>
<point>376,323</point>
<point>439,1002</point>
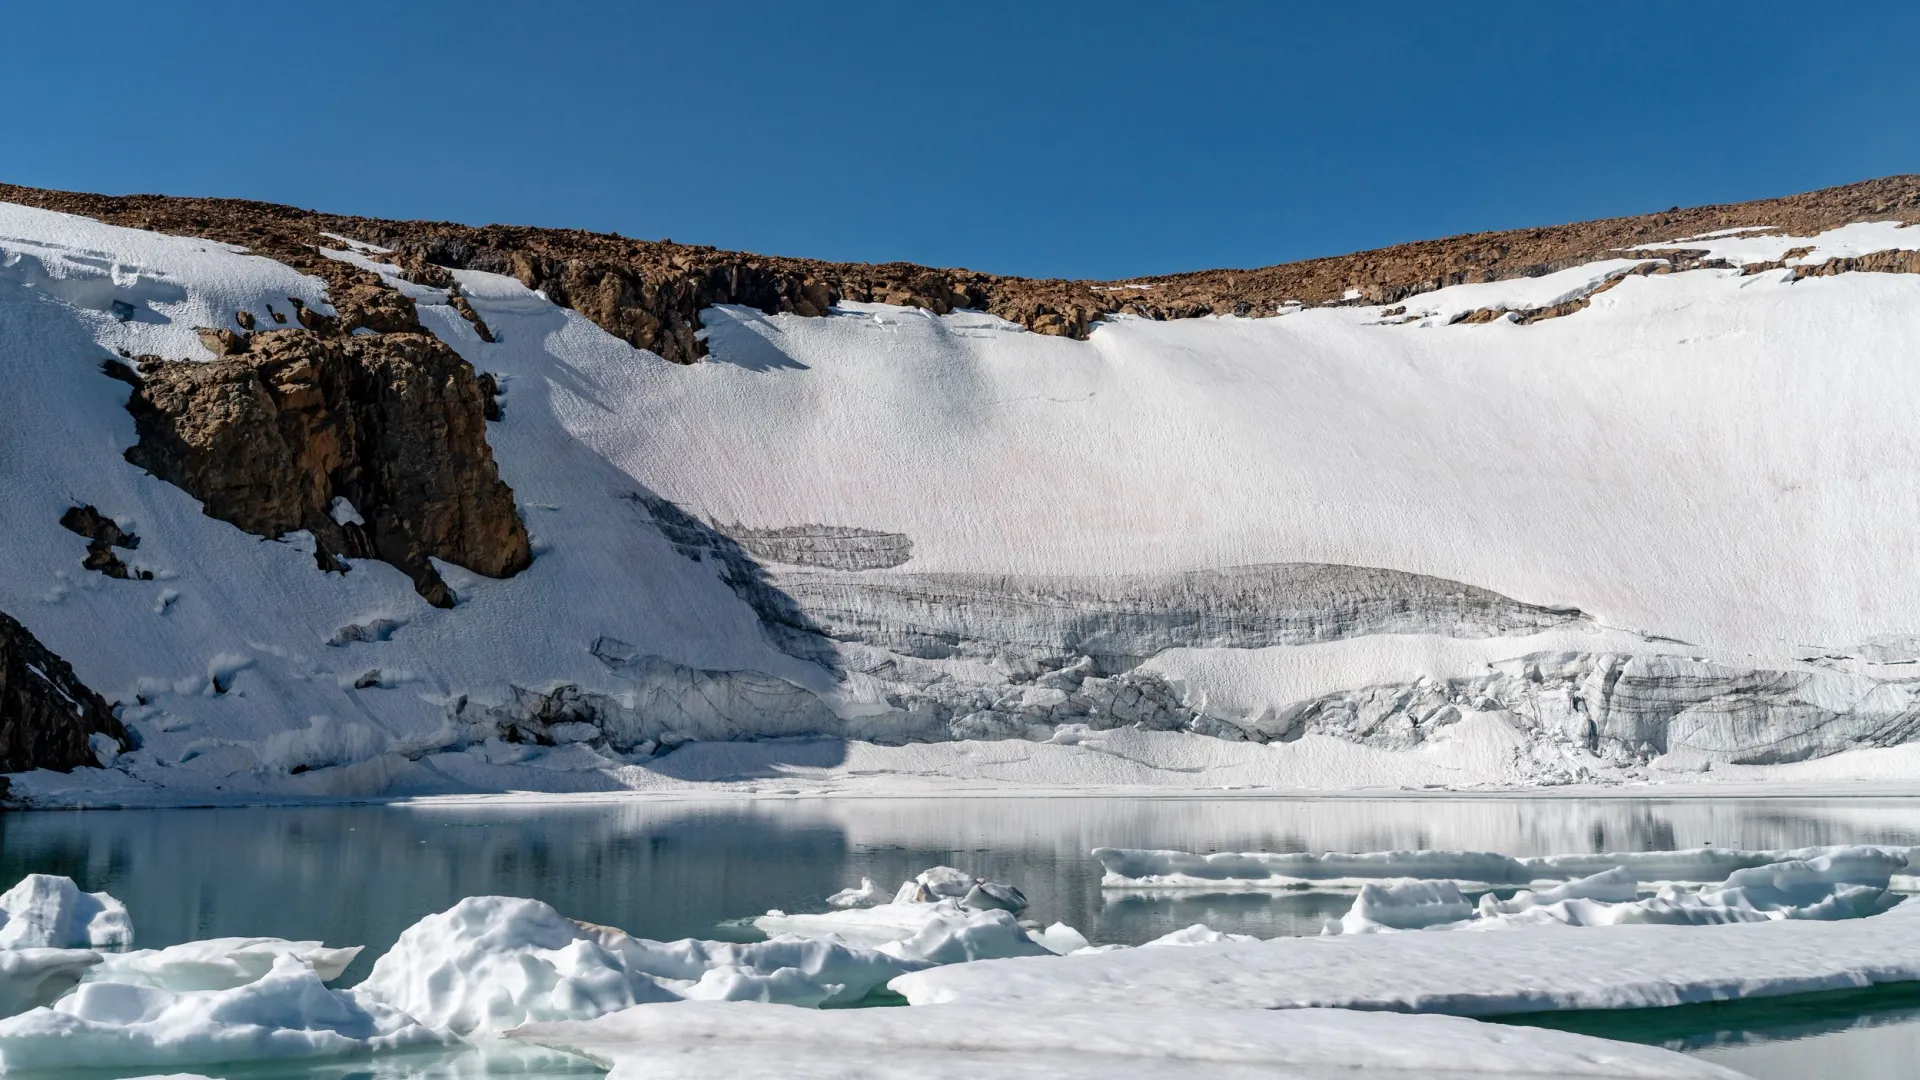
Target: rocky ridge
<point>651,293</point>
<point>48,717</point>
<point>360,427</point>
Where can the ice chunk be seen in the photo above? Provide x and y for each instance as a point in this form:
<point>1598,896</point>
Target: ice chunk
<point>789,970</point>
<point>1177,869</point>
<point>217,963</point>
<point>940,932</point>
<point>1061,939</point>
<point>1613,886</point>
<point>941,883</point>
<point>946,883</point>
<point>956,935</point>
<point>1197,934</point>
<point>47,911</point>
<point>1406,905</point>
<point>34,977</point>
<point>1849,884</point>
<point>491,962</point>
<point>937,908</point>
<point>1706,866</point>
<point>1148,869</point>
<point>867,895</point>
<point>1526,969</point>
<point>993,896</point>
<point>288,1013</point>
<point>700,1040</point>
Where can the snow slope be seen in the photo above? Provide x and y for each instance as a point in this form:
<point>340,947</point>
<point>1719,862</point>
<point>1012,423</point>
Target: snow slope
<point>891,526</point>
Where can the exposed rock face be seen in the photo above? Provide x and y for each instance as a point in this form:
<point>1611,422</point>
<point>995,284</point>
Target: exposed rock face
<point>47,715</point>
<point>103,535</point>
<point>650,293</point>
<point>272,438</point>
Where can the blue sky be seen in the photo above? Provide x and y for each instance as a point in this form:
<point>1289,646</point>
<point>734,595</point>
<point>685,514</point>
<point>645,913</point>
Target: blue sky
<point>1075,139</point>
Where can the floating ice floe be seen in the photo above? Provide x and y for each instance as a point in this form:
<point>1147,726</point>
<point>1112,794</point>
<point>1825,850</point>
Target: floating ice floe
<point>1525,969</point>
<point>492,962</point>
<point>1129,868</point>
<point>942,916</point>
<point>45,911</point>
<point>695,1041</point>
<point>287,1013</point>
<point>788,970</point>
<point>1849,883</point>
<point>217,963</point>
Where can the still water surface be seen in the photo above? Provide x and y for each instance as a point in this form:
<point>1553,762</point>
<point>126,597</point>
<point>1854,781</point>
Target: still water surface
<point>360,875</point>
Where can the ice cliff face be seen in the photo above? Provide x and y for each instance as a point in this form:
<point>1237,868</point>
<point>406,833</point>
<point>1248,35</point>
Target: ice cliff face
<point>315,516</point>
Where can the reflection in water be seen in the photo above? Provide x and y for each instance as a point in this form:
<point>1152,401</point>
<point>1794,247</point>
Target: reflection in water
<point>361,874</point>
<point>1872,1033</point>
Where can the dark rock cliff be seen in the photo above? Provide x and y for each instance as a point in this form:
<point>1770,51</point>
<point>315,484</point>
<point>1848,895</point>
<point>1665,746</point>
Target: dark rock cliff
<point>47,714</point>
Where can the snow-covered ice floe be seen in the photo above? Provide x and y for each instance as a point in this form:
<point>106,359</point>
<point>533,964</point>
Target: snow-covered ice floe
<point>493,962</point>
<point>1129,868</point>
<point>1523,969</point>
<point>942,916</point>
<point>287,1013</point>
<point>696,1041</point>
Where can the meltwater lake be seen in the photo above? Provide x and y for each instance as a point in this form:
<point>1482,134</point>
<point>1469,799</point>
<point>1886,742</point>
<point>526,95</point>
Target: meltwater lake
<point>359,875</point>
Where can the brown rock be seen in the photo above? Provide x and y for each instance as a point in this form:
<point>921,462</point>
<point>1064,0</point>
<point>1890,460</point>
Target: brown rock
<point>222,342</point>
<point>103,535</point>
<point>394,423</point>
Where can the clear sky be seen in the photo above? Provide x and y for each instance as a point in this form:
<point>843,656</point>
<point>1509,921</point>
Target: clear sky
<point>1077,139</point>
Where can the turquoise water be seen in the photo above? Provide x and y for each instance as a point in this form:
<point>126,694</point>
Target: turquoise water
<point>360,875</point>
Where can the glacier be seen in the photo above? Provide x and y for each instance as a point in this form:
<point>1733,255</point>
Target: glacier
<point>1638,543</point>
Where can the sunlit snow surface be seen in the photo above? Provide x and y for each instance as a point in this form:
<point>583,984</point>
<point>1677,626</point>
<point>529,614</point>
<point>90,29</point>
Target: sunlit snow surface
<point>1701,455</point>
<point>696,1040</point>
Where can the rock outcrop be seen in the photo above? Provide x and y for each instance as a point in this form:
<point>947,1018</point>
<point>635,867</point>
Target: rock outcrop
<point>103,535</point>
<point>375,444</point>
<point>48,717</point>
<point>651,293</point>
